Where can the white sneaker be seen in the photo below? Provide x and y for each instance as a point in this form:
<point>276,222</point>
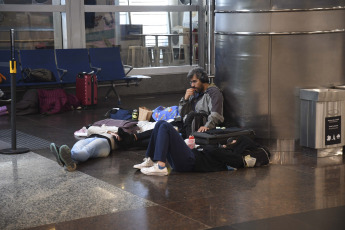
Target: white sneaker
<point>250,161</point>
<point>147,163</point>
<point>155,171</point>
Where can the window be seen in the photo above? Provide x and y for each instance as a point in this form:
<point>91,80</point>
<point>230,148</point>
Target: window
<point>152,22</point>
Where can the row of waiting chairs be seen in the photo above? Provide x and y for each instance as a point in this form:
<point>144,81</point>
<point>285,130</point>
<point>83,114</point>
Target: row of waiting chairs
<point>66,64</point>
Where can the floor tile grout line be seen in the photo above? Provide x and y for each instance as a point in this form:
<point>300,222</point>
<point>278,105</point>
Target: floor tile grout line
<point>185,216</point>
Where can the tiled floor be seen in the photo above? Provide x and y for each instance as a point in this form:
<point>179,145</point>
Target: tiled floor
<point>297,191</point>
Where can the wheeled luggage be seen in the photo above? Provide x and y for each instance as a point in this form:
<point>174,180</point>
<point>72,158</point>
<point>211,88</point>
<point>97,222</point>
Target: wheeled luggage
<point>220,136</point>
<point>86,89</point>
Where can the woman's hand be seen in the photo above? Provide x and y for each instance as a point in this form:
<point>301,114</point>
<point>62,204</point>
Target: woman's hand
<point>115,135</point>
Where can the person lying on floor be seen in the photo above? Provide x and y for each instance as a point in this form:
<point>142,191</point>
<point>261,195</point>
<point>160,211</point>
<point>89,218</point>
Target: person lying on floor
<point>166,145</point>
<point>99,143</point>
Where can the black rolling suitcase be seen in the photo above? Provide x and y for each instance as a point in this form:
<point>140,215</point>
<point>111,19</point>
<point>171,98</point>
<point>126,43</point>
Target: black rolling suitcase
<point>220,136</point>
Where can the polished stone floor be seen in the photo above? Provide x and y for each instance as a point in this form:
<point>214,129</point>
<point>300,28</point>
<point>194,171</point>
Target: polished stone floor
<point>296,191</point>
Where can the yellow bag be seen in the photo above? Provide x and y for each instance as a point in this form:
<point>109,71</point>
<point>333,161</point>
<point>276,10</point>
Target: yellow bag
<point>144,114</point>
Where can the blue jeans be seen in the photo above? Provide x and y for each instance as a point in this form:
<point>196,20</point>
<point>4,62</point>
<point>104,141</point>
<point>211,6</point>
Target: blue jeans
<point>166,144</point>
<point>90,148</point>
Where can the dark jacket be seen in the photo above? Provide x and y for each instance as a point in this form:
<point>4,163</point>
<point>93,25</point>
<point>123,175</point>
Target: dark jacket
<point>213,158</point>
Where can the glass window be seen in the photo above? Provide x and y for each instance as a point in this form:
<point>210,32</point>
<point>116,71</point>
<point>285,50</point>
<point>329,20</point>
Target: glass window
<point>163,37</point>
<point>148,36</point>
<point>160,38</point>
<point>152,22</point>
<point>32,30</point>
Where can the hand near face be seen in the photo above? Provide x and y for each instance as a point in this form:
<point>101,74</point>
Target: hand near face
<point>189,93</point>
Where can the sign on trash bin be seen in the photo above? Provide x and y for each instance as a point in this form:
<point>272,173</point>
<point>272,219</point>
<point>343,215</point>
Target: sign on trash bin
<point>333,130</point>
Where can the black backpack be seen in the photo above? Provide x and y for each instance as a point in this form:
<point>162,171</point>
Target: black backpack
<point>38,75</point>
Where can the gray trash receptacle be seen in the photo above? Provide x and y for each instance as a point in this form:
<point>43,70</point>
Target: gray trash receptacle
<point>321,116</point>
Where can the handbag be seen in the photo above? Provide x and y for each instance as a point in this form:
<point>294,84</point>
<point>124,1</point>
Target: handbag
<point>38,75</point>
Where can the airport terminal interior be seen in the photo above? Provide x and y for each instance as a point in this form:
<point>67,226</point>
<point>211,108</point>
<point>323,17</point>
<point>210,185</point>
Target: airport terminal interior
<point>279,66</point>
<point>296,191</point>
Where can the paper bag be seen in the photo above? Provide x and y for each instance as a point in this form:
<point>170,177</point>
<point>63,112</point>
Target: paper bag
<point>144,114</point>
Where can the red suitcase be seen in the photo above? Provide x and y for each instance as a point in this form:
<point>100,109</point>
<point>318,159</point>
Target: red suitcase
<point>86,88</point>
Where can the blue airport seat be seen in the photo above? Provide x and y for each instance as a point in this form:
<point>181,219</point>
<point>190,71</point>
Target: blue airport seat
<point>71,62</point>
<point>37,59</point>
<point>67,63</point>
<point>5,57</point>
<point>108,65</point>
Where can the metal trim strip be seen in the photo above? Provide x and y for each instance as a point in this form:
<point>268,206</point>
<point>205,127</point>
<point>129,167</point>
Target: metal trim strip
<point>280,33</point>
<point>32,8</point>
<point>112,8</point>
<point>279,10</point>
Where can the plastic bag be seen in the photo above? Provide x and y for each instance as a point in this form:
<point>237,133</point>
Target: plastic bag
<point>165,113</point>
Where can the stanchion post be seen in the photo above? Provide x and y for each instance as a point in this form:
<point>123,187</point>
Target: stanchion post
<point>13,72</point>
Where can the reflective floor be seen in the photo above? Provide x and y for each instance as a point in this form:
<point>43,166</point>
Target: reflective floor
<point>296,191</point>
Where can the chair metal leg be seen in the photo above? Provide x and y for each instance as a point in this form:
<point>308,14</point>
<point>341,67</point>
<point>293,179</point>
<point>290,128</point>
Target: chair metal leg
<point>113,89</point>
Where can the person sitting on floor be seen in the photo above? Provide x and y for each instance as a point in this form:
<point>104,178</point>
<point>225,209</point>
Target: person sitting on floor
<point>202,99</point>
<point>166,145</point>
<point>99,143</point>
<point>201,107</point>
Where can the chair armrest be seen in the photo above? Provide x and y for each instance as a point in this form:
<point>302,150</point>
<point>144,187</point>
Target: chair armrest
<point>64,71</point>
<point>96,69</point>
<point>127,67</point>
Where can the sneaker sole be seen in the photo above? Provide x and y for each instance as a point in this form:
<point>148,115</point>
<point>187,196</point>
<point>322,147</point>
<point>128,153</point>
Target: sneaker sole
<point>141,167</point>
<point>66,158</point>
<point>155,173</point>
<point>55,152</point>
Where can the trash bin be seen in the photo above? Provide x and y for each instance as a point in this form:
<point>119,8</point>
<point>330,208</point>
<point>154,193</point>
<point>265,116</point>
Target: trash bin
<point>321,115</point>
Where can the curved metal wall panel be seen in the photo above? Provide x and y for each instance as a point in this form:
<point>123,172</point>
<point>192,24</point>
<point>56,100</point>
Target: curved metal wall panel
<point>265,56</point>
<point>242,74</point>
<point>301,61</point>
<point>280,22</point>
<point>275,4</point>
<point>242,22</point>
<point>242,5</point>
<point>303,4</point>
